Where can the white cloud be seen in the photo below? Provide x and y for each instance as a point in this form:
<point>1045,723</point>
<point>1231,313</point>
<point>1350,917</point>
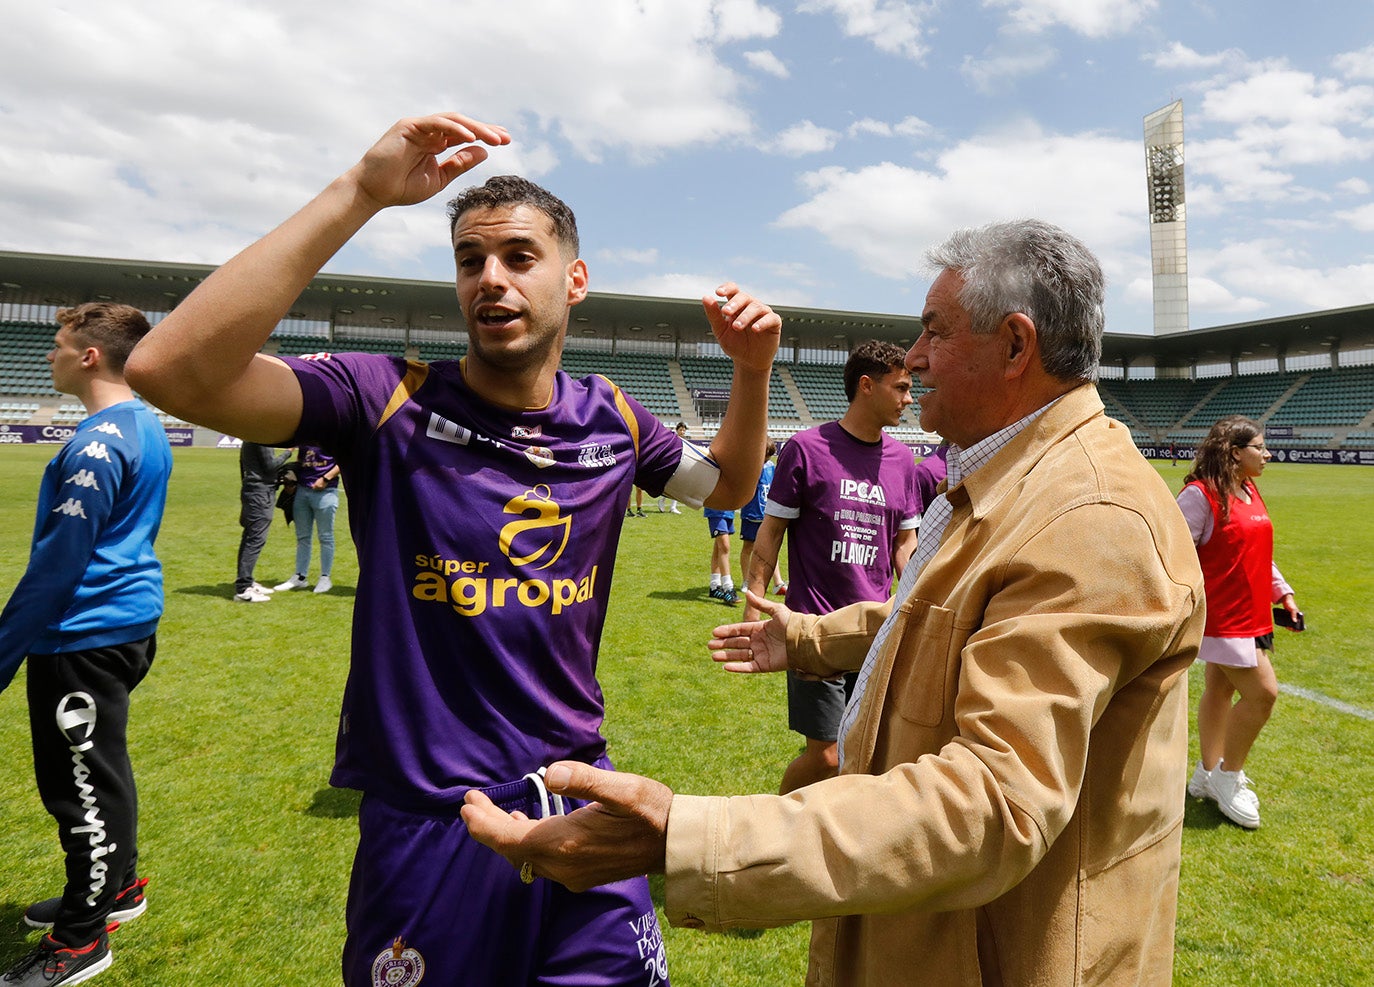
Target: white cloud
<point>1356,64</point>
<point>912,127</point>
<point>1285,276</point>
<point>1004,63</point>
<point>1270,123</point>
<point>886,215</point>
<point>1091,18</point>
<point>680,284</point>
<point>740,20</point>
<point>767,62</point>
<point>1178,57</point>
<point>1207,295</point>
<point>893,26</point>
<point>189,150</point>
<point>629,255</point>
<point>803,138</point>
<point>1361,219</point>
<point>1353,186</point>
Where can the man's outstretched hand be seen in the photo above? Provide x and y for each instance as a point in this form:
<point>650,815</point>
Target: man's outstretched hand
<point>623,832</point>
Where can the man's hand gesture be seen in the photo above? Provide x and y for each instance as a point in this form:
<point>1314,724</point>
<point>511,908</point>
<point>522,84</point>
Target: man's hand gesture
<point>404,167</point>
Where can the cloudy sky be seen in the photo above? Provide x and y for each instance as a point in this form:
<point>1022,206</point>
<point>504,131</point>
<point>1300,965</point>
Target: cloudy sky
<point>810,149</point>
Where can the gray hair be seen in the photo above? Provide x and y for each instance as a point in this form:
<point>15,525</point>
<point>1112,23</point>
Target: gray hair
<point>1035,268</point>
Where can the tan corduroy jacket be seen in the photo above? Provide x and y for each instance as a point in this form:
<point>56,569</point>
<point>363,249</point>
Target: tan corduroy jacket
<point>1010,806</point>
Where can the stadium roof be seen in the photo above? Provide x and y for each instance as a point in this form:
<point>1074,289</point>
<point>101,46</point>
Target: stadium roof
<point>359,302</point>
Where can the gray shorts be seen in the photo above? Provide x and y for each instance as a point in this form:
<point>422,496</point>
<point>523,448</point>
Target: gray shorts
<point>814,708</point>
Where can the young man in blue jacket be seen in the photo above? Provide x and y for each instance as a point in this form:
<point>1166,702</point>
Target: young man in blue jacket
<point>85,613</point>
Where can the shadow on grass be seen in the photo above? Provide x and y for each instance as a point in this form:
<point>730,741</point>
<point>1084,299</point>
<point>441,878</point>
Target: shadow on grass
<point>225,591</point>
<point>14,934</point>
<point>1202,814</point>
<point>335,803</point>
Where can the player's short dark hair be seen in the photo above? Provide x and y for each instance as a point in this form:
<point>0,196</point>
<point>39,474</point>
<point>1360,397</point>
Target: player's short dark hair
<point>111,327</point>
<point>512,190</point>
<point>873,358</point>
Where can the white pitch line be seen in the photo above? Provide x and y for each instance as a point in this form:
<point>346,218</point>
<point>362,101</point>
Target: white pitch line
<point>1317,697</point>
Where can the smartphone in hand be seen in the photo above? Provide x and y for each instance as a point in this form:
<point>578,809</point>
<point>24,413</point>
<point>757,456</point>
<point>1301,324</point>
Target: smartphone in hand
<point>1282,618</point>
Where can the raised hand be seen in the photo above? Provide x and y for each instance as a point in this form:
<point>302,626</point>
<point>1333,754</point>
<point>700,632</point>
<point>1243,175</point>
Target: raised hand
<point>404,166</point>
<point>747,329</point>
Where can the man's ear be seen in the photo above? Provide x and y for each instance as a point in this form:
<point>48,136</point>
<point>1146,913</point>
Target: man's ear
<point>577,281</point>
<point>90,356</point>
<point>1022,344</point>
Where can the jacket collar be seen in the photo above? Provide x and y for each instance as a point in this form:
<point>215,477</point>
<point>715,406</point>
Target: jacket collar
<point>986,487</point>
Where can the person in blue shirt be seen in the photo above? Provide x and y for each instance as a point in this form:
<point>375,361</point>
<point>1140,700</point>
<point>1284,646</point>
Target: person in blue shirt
<point>85,613</point>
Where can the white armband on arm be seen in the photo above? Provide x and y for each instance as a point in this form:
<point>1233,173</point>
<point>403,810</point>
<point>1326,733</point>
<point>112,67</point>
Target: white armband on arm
<point>694,478</point>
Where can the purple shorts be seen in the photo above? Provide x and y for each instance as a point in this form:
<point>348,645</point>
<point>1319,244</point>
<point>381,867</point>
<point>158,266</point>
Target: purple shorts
<point>426,900</point>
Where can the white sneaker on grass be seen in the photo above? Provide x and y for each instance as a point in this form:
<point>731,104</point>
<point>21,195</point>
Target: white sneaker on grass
<point>252,595</point>
<point>324,585</point>
<point>1234,798</point>
<point>295,582</point>
<point>1200,785</point>
<point>263,589</point>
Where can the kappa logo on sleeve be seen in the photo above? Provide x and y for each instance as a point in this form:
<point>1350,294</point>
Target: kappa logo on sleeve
<point>70,507</point>
<point>95,450</point>
<point>83,478</point>
<point>108,428</point>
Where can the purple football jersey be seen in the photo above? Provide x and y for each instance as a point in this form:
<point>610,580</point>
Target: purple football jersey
<point>845,500</point>
<point>486,539</point>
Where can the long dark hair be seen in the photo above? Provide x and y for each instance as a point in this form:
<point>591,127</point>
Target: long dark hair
<point>1214,466</point>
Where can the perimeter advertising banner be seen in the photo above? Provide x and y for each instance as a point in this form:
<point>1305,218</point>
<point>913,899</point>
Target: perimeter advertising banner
<point>1334,457</point>
<point>57,434</point>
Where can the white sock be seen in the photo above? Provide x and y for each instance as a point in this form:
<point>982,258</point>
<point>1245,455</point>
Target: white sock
<point>715,580</point>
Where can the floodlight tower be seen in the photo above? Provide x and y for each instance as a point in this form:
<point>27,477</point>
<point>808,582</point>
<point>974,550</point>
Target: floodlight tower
<point>1168,217</point>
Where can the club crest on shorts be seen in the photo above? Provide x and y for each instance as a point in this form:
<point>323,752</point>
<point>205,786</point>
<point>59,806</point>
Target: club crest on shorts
<point>398,965</point>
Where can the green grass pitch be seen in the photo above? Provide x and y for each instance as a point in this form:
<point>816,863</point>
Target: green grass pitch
<point>249,849</point>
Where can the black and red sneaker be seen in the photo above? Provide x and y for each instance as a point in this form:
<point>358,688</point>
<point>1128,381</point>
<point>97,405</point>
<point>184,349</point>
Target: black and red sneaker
<point>51,963</point>
<point>128,904</point>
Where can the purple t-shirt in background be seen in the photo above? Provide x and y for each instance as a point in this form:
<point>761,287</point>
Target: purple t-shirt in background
<point>486,540</point>
<point>845,500</point>
<point>313,464</point>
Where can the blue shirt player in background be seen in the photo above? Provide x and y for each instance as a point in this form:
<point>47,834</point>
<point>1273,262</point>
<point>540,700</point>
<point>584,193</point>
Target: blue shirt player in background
<point>486,503</point>
<point>85,612</point>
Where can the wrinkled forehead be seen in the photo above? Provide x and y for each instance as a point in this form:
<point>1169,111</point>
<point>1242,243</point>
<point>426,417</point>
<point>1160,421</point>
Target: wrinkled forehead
<point>490,225</point>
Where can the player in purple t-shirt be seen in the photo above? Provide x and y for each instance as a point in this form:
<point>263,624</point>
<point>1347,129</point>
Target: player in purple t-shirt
<point>845,495</point>
<point>485,503</point>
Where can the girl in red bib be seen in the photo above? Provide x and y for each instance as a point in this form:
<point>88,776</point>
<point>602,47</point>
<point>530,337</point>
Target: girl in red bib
<point>1235,545</point>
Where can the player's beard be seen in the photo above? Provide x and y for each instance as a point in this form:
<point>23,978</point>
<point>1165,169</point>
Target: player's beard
<point>533,350</point>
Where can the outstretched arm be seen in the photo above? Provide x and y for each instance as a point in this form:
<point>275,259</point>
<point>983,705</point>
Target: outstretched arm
<point>754,645</point>
<point>748,331</point>
<point>622,834</point>
<point>202,363</point>
<point>764,562</point>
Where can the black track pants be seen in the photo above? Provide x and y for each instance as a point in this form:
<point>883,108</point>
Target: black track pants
<point>79,717</point>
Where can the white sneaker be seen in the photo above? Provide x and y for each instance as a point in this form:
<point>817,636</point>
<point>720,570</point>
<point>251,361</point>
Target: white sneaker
<point>251,595</point>
<point>1200,785</point>
<point>1234,798</point>
<point>263,589</point>
<point>295,582</point>
<point>324,585</point>
<point>674,510</point>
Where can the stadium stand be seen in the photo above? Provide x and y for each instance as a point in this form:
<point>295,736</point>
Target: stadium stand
<point>23,369</point>
<point>644,376</point>
<point>714,373</point>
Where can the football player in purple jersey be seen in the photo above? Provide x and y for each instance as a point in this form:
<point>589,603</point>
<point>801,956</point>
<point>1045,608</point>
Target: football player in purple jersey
<point>486,503</point>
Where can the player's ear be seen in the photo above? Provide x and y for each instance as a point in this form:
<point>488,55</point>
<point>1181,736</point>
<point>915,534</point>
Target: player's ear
<point>577,281</point>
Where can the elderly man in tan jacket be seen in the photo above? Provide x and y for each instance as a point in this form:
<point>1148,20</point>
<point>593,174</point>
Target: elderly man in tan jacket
<point>1009,808</point>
